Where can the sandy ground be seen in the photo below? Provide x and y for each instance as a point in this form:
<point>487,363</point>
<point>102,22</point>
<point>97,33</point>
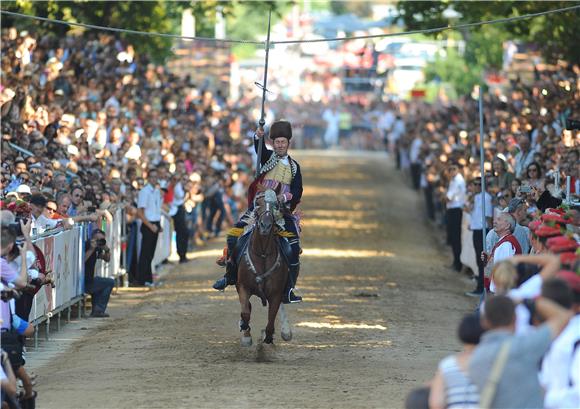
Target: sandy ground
<point>380,311</point>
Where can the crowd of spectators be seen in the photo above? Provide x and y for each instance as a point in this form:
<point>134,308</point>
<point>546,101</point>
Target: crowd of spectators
<point>83,120</point>
<point>526,270</point>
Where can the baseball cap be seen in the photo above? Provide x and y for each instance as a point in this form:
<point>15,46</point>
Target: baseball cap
<point>514,204</point>
<point>23,189</point>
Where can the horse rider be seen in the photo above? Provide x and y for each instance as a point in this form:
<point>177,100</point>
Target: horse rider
<point>280,173</point>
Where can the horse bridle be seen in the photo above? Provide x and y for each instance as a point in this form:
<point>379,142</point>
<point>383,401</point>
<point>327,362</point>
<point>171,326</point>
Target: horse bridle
<point>262,252</point>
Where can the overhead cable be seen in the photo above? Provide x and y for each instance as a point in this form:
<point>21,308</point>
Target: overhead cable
<point>433,30</point>
<point>123,30</point>
<point>320,40</point>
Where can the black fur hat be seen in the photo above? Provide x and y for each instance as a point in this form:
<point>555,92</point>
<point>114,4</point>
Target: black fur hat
<point>281,129</point>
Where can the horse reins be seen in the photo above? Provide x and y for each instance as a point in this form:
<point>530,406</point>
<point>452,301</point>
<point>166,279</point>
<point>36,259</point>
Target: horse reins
<point>261,277</point>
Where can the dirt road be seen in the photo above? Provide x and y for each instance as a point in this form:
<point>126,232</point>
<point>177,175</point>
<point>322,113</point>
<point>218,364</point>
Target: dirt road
<point>380,311</point>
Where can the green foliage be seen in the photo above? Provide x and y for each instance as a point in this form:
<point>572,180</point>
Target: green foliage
<point>150,16</point>
<point>455,70</point>
<point>244,19</point>
<point>556,34</point>
<point>358,8</point>
<point>249,21</point>
<point>484,47</point>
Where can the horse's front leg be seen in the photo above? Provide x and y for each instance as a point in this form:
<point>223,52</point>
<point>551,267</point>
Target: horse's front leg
<point>246,309</point>
<point>273,306</point>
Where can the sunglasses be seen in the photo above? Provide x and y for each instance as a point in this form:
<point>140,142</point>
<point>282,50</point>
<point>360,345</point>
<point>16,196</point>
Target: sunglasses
<point>51,209</point>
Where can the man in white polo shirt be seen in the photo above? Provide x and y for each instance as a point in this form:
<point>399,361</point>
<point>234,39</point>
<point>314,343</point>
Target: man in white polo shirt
<point>455,196</point>
<point>476,227</point>
<point>149,211</point>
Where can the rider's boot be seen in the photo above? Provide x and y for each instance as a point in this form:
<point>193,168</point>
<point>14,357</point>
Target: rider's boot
<point>289,296</point>
<point>230,277</point>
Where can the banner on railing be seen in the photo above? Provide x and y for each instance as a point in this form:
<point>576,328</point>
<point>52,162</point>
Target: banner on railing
<point>163,248</point>
<point>63,254</point>
<point>113,232</point>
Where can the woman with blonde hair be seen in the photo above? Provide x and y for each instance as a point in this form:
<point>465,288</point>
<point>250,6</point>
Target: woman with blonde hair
<point>518,278</point>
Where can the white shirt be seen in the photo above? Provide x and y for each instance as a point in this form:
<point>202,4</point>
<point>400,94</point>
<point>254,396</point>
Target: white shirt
<point>560,367</point>
<point>456,192</point>
<point>477,211</point>
<point>150,201</point>
<point>386,121</point>
<point>530,288</point>
<point>398,131</point>
<point>134,153</point>
<point>178,198</point>
<point>43,223</point>
<point>415,150</point>
<point>502,252</point>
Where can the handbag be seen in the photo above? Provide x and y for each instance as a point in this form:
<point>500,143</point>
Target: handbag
<point>490,388</point>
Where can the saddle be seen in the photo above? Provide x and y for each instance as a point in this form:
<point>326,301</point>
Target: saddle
<point>243,243</point>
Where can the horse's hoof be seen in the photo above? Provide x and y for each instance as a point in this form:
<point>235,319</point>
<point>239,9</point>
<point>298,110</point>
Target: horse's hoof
<point>286,336</point>
<point>246,341</point>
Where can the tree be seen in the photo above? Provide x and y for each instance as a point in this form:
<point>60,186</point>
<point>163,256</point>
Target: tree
<point>150,16</point>
<point>555,34</point>
<point>453,69</point>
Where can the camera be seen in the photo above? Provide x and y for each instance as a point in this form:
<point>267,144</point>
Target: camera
<point>7,295</point>
<point>16,228</point>
<point>101,242</point>
<point>92,209</point>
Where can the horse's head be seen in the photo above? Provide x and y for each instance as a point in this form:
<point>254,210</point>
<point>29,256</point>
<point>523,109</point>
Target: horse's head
<point>266,205</point>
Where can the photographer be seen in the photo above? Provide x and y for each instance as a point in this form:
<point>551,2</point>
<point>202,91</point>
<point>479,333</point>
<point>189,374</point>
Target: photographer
<point>99,287</point>
<point>14,327</point>
<point>7,245</point>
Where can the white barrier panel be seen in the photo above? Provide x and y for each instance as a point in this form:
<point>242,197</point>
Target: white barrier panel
<point>467,250</point>
<point>163,249</point>
<point>64,256</point>
<point>113,232</point>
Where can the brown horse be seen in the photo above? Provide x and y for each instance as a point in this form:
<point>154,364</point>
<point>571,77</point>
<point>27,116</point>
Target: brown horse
<point>262,271</point>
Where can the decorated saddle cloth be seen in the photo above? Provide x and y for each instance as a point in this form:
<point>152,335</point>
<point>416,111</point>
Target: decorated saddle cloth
<point>244,242</point>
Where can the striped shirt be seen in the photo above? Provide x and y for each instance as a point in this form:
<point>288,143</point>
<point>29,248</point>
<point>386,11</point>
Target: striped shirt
<point>460,393</point>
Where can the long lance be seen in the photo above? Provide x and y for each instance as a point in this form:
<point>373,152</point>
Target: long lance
<point>262,121</point>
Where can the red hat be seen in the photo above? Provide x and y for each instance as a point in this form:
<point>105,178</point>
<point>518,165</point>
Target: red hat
<point>561,244</point>
<point>554,218</point>
<point>571,278</point>
<point>569,258</point>
<point>557,211</point>
<point>533,225</point>
<point>547,231</point>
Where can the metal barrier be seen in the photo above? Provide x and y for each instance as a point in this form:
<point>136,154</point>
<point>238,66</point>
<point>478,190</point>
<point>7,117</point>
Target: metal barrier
<point>64,253</point>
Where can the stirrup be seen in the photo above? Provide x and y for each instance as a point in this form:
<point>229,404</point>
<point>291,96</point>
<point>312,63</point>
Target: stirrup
<point>291,298</point>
